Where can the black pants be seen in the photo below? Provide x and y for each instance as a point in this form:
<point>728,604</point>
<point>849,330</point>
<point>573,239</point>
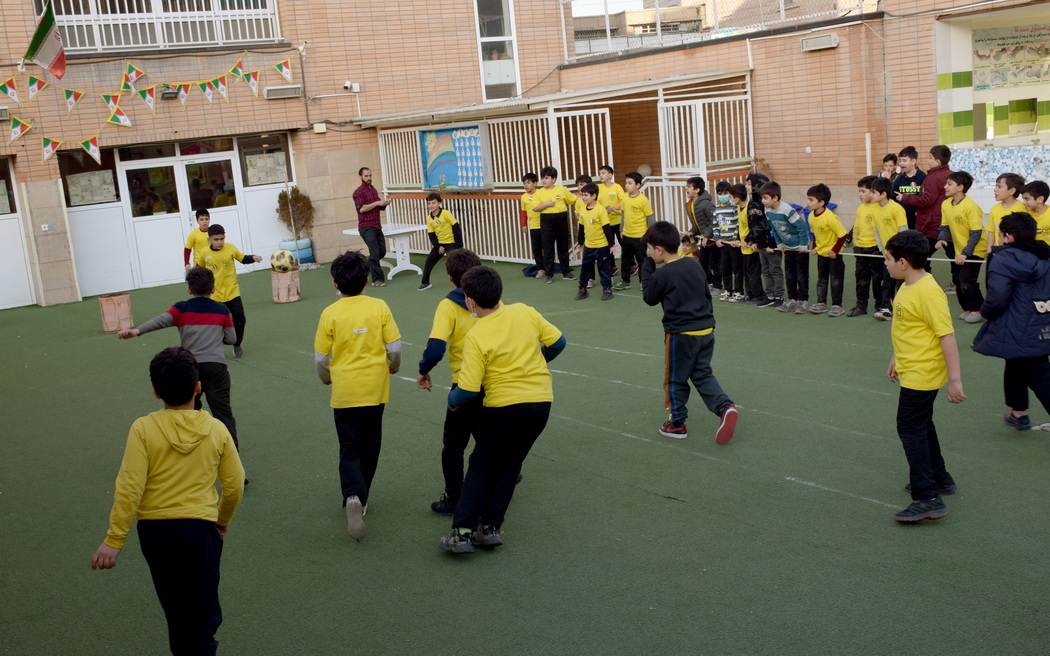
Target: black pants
<point>236,308</point>
<point>596,257</point>
<point>376,242</point>
<point>633,252</point>
<point>833,271</point>
<point>968,290</point>
<point>796,275</point>
<point>869,272</point>
<point>926,471</point>
<point>360,432</point>
<point>536,241</point>
<point>459,425</point>
<point>433,258</point>
<point>688,358</point>
<point>731,266</point>
<point>215,384</point>
<point>753,276</point>
<point>1023,374</point>
<point>554,236</point>
<point>183,557</point>
<point>711,261</point>
<point>502,440</point>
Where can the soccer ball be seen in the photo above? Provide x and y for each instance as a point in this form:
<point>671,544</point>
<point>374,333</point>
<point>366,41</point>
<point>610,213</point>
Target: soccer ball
<point>282,261</point>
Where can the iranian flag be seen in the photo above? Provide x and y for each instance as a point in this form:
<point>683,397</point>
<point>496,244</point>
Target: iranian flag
<point>10,89</point>
<point>36,85</point>
<point>50,147</point>
<point>207,89</point>
<point>285,69</point>
<point>45,50</point>
<point>112,100</point>
<point>253,82</point>
<point>125,84</point>
<point>91,146</point>
<point>72,98</point>
<point>184,94</point>
<point>118,117</point>
<point>18,128</point>
<point>220,84</point>
<point>133,73</point>
<point>237,71</point>
<point>149,97</point>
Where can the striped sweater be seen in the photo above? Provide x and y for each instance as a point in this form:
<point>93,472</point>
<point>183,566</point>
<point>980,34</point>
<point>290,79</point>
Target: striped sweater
<point>204,326</point>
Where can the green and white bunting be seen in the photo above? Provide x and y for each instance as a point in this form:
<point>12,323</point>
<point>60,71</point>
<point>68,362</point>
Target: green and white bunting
<point>220,85</point>
<point>184,94</point>
<point>72,98</point>
<point>149,96</point>
<point>91,146</point>
<point>112,100</point>
<point>253,82</point>
<point>207,89</point>
<point>18,128</point>
<point>50,147</point>
<point>118,117</point>
<point>10,89</point>
<point>36,85</point>
<point>285,69</point>
<point>133,73</point>
<point>236,70</point>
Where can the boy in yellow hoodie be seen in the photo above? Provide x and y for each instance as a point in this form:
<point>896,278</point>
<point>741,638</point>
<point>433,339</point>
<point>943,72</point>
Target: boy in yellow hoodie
<point>167,481</point>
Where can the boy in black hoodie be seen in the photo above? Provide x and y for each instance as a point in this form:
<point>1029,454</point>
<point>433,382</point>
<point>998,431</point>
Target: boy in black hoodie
<point>761,235</point>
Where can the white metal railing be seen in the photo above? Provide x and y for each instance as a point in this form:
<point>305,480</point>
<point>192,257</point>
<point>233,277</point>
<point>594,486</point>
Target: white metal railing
<point>519,145</point>
<point>400,158</point>
<point>667,193</point>
<point>97,25</point>
<point>585,142</point>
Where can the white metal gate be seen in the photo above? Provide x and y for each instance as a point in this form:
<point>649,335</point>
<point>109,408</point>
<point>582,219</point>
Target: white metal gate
<point>702,137</point>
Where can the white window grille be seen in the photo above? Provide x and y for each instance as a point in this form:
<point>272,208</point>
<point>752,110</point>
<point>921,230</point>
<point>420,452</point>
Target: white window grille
<point>107,25</point>
<point>519,145</point>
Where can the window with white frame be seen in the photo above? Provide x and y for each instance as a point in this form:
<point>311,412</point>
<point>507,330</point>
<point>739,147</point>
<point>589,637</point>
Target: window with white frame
<point>108,25</point>
<point>497,48</point>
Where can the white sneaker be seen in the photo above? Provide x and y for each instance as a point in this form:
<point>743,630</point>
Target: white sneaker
<point>355,518</point>
<point>737,297</point>
<point>724,296</point>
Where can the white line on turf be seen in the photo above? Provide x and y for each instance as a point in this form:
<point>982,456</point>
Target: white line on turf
<point>609,350</point>
<point>848,494</point>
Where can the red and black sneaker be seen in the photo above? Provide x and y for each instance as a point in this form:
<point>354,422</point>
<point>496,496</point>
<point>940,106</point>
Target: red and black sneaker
<point>728,426</point>
<point>675,429</point>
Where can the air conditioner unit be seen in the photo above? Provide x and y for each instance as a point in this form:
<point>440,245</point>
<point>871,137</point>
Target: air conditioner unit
<point>287,91</point>
<point>4,114</point>
<point>821,42</point>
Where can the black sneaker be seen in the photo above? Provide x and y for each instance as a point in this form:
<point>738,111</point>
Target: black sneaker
<point>768,302</point>
<point>423,287</point>
<point>456,542</point>
<point>945,490</point>
<point>607,294</point>
<point>582,294</point>
<point>856,311</point>
<point>443,506</point>
<point>487,538</point>
<point>675,429</point>
<point>550,279</point>
<point>919,510</point>
<point>568,276</point>
<point>237,351</point>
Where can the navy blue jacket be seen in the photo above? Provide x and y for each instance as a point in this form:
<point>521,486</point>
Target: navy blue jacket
<point>1017,306</point>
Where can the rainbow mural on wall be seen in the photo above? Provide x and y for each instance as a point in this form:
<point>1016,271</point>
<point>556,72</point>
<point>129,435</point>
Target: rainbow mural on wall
<point>452,158</point>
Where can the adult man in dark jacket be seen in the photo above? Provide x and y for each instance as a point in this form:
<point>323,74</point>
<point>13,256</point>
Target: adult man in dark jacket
<point>1017,308</point>
<point>928,204</point>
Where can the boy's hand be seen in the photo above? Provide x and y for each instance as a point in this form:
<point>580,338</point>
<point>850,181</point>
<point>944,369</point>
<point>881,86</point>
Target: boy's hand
<point>831,254</point>
<point>783,248</point>
<point>423,382</point>
<point>955,391</point>
<point>189,266</point>
<point>939,245</point>
<point>524,229</point>
<point>257,258</point>
<point>960,259</point>
<point>891,372</point>
<point>127,333</point>
<point>222,529</point>
<point>105,557</point>
<point>770,250</point>
<point>718,242</point>
<point>579,248</point>
<point>441,249</point>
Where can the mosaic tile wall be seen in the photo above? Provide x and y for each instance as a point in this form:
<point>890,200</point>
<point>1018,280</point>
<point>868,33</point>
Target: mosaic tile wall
<point>986,164</point>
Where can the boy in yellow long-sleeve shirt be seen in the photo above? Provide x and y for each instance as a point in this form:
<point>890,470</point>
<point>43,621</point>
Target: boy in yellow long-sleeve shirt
<point>167,481</point>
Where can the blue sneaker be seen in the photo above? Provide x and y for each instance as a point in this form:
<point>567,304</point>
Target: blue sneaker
<point>1020,423</point>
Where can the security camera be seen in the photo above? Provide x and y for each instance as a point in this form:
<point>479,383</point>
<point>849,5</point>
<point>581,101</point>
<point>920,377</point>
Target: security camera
<point>347,85</point>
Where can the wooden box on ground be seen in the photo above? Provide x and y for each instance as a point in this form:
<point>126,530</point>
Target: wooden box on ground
<point>116,312</point>
<point>285,286</point>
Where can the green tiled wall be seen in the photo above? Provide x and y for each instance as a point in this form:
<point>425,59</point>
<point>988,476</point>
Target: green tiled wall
<point>959,80</point>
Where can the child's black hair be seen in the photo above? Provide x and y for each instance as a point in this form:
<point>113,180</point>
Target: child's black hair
<point>350,272</point>
<point>1020,225</point>
<point>771,189</point>
<point>590,188</point>
<point>961,178</point>
<point>200,280</point>
<point>820,192</point>
<point>890,157</point>
<point>460,261</point>
<point>434,196</point>
<point>606,167</point>
<point>1012,181</point>
<point>880,185</point>
<point>696,182</point>
<point>738,191</point>
<point>909,151</point>
<point>174,375</point>
<point>584,179</point>
<point>530,177</point>
<point>663,235</point>
<point>216,229</point>
<point>865,182</point>
<point>942,154</point>
<point>202,212</point>
<point>722,187</point>
<point>483,285</point>
<point>1037,189</point>
<point>911,246</point>
<point>549,172</point>
<point>636,177</point>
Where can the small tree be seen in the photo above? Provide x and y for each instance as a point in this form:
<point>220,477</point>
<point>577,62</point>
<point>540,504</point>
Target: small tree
<point>295,210</point>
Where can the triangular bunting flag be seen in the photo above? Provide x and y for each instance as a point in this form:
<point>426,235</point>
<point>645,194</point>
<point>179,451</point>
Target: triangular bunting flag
<point>285,69</point>
<point>118,117</point>
<point>91,146</point>
<point>253,82</point>
<point>36,85</point>
<point>112,100</point>
<point>207,90</point>
<point>133,73</point>
<point>50,147</point>
<point>125,84</point>
<point>72,98</point>
<point>18,128</point>
<point>184,94</point>
<point>149,96</point>
<point>220,84</point>
<point>10,89</point>
<point>45,50</point>
<point>236,71</point>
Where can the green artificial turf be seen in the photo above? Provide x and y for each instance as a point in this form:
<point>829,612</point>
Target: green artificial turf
<point>618,541</point>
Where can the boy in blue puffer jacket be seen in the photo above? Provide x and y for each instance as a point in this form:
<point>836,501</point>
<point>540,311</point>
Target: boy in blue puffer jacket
<point>1017,308</point>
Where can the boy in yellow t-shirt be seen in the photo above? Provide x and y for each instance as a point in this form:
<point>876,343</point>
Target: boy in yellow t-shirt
<point>198,239</point>
<point>1007,192</point>
<point>962,237</point>
<point>925,357</point>
<point>452,322</point>
<point>868,267</point>
<point>637,217</point>
<point>748,249</point>
<point>829,235</point>
<point>890,218</point>
<point>356,347</point>
<point>594,239</point>
<point>1034,194</point>
<point>553,207</point>
<point>530,221</point>
<point>506,354</point>
<point>167,482</point>
<point>445,235</point>
<point>610,196</point>
<point>221,258</point>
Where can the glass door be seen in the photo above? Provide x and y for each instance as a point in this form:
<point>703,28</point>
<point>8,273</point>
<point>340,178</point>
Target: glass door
<point>156,222</point>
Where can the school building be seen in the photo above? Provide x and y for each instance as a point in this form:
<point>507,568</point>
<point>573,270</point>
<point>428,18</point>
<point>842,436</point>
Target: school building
<point>164,108</point>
